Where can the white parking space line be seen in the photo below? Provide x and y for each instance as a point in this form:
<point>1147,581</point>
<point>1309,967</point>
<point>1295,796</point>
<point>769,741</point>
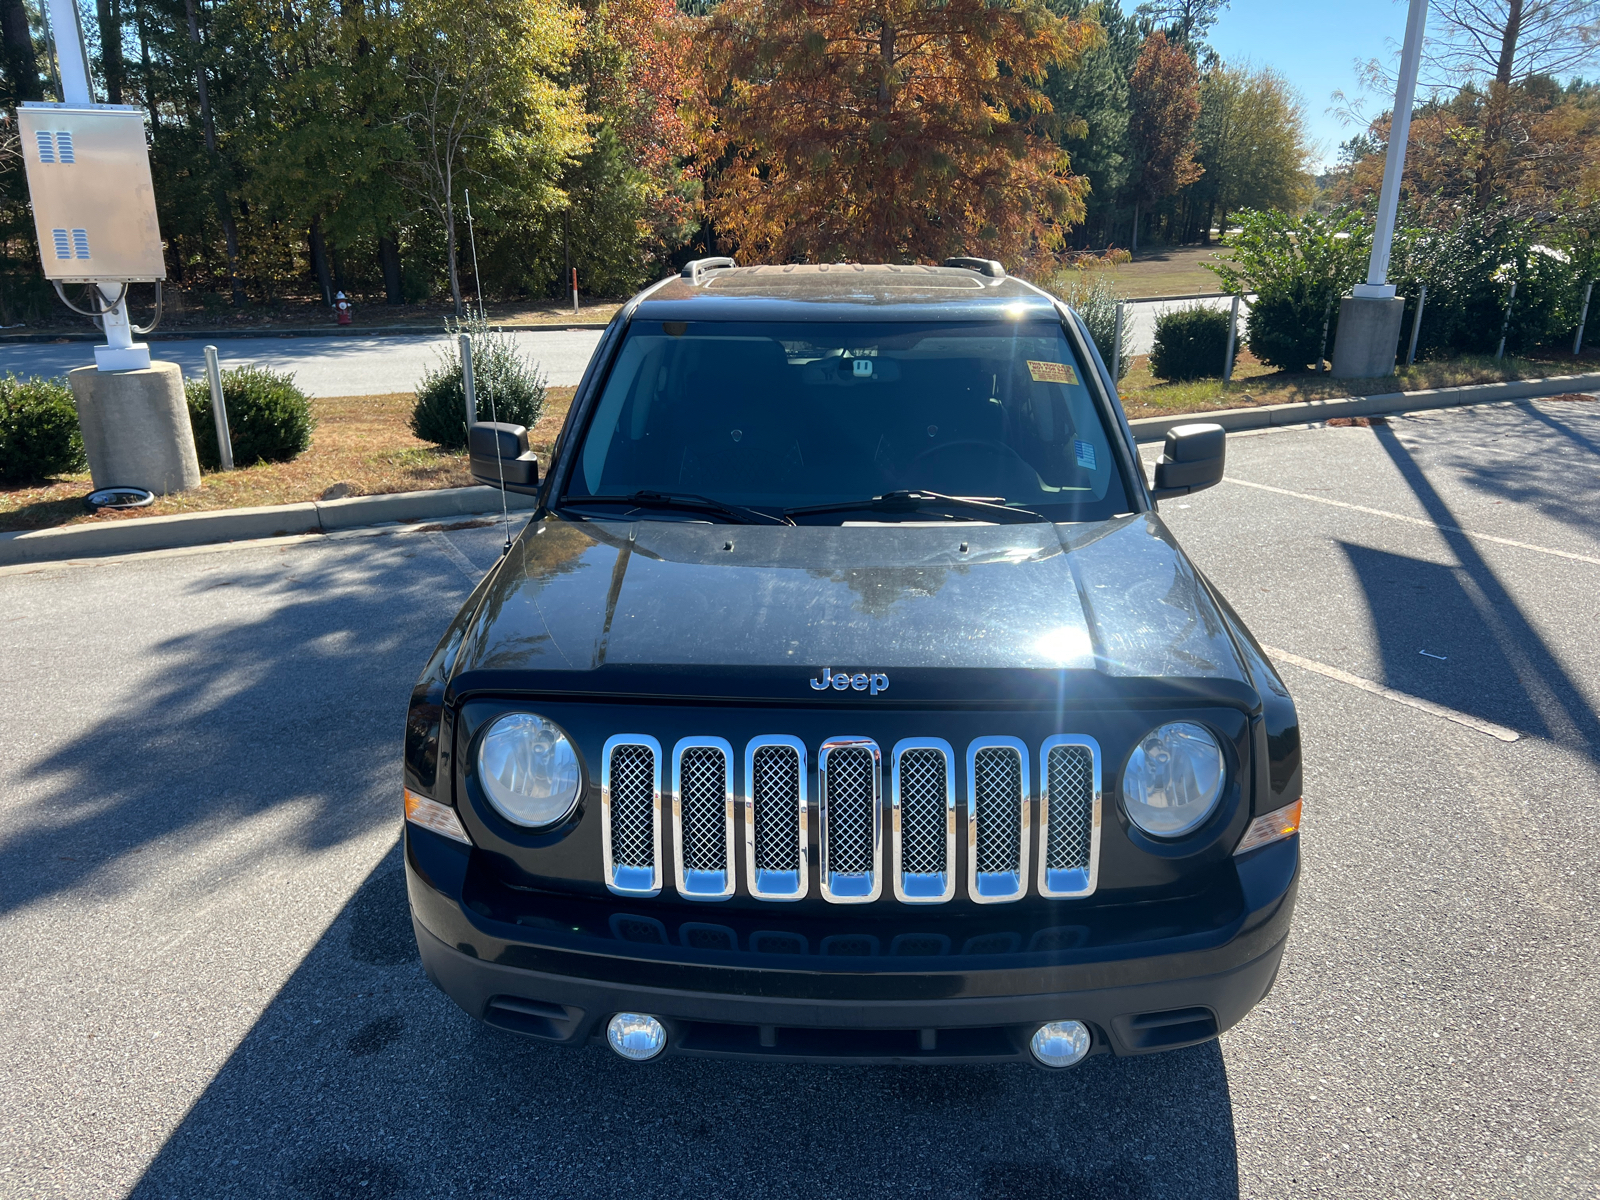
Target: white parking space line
<point>462,562</point>
<point>1379,512</point>
<point>1388,693</point>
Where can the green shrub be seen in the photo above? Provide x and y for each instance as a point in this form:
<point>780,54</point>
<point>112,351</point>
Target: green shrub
<point>507,388</point>
<point>1092,297</point>
<point>39,434</point>
<point>1297,268</point>
<point>1190,343</point>
<point>1469,268</point>
<point>269,418</point>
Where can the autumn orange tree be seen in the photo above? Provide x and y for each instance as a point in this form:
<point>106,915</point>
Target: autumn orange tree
<point>885,130</point>
<point>1164,95</point>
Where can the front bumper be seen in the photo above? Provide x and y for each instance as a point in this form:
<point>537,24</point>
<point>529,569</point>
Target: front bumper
<point>1136,1000</point>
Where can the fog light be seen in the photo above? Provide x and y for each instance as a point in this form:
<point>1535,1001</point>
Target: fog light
<point>638,1037</point>
<point>1060,1043</point>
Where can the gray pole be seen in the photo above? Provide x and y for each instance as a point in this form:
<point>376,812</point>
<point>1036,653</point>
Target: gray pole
<point>1506,324</point>
<point>1116,351</point>
<point>1394,162</point>
<point>1583,319</point>
<point>219,409</point>
<point>1233,333</point>
<point>465,340</point>
<point>1416,325</point>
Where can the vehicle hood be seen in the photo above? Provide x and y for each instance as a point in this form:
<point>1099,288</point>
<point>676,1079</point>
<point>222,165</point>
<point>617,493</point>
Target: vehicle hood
<point>1117,597</point>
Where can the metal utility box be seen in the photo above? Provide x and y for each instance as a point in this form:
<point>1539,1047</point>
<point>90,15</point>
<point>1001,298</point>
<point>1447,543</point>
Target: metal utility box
<point>94,205</point>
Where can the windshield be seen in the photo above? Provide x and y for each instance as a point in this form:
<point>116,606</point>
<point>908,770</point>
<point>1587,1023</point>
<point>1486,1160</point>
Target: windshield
<point>778,417</point>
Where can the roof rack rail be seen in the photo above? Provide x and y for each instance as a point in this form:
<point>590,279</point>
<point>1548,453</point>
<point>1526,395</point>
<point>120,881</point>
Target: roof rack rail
<point>692,271</point>
<point>983,266</point>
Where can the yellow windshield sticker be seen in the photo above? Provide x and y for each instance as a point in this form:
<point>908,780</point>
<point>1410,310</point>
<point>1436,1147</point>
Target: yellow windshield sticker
<point>1051,372</point>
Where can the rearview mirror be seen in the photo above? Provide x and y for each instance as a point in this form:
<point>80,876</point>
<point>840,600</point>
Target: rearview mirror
<point>499,456</point>
<point>1192,459</point>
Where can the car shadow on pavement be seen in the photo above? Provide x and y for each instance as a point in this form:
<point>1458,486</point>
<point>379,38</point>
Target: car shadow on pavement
<point>285,691</point>
<point>362,1080</point>
<point>1418,606</point>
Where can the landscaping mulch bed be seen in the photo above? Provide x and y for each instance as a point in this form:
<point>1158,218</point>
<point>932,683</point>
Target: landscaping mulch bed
<point>360,446</point>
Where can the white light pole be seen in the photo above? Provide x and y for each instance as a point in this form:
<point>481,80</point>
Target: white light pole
<point>1377,285</point>
<point>1369,318</point>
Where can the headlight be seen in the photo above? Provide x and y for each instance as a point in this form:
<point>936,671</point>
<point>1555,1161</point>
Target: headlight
<point>528,770</point>
<point>1173,780</point>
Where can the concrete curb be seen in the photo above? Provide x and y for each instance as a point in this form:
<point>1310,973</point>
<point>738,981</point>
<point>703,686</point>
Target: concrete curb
<point>1266,416</point>
<point>245,524</point>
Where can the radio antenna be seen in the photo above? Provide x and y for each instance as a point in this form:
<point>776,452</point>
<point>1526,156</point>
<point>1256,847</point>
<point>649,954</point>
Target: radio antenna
<point>472,237</point>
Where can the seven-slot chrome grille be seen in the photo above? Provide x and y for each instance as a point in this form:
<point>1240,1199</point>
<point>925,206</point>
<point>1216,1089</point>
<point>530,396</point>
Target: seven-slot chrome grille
<point>852,811</point>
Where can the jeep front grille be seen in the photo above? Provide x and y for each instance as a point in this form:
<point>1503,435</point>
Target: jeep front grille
<point>1069,816</point>
<point>997,819</point>
<point>630,817</point>
<point>775,817</point>
<point>922,797</point>
<point>919,809</point>
<point>702,818</point>
<point>848,771</point>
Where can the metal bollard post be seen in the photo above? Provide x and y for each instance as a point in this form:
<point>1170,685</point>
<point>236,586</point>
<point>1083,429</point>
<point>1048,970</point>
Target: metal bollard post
<point>1505,325</point>
<point>1233,333</point>
<point>219,409</point>
<point>574,291</point>
<point>1583,319</point>
<point>1416,325</point>
<point>465,339</point>
<point>1116,351</point>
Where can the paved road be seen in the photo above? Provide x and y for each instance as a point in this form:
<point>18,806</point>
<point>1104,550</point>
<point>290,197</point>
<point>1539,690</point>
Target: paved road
<point>207,985</point>
<point>325,366</point>
<point>357,366</point>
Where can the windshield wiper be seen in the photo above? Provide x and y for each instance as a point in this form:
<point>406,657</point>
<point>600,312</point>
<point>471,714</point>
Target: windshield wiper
<point>687,502</point>
<point>904,501</point>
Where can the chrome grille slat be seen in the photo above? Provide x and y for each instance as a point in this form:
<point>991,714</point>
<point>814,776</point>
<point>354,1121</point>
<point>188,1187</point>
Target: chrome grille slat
<point>630,801</point>
<point>997,819</point>
<point>775,817</point>
<point>1069,816</point>
<point>852,820</point>
<point>702,818</point>
<point>923,805</point>
<point>775,786</point>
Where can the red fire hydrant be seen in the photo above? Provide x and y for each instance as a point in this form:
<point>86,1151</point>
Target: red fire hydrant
<point>341,306</point>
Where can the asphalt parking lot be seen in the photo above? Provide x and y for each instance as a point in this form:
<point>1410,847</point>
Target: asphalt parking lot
<point>208,986</point>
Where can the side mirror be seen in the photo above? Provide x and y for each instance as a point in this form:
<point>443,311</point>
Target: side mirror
<point>1193,458</point>
<point>499,456</point>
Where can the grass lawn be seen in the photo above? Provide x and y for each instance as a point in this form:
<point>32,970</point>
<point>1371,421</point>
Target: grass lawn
<point>361,446</point>
<point>1255,384</point>
<point>1177,271</point>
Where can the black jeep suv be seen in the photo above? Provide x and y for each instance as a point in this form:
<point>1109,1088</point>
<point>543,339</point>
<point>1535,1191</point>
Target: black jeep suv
<point>845,699</point>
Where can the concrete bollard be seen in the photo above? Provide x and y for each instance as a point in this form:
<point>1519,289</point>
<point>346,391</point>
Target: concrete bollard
<point>136,428</point>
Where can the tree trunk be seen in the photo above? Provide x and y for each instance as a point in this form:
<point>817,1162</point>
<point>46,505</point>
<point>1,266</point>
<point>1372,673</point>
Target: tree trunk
<point>1211,212</point>
<point>389,258</point>
<point>148,100</point>
<point>319,260</point>
<point>230,231</point>
<point>1509,33</point>
<point>1134,249</point>
<point>22,68</point>
<point>109,15</point>
<point>450,251</point>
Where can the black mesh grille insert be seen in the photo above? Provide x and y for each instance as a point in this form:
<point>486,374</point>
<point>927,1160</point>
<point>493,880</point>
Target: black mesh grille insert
<point>633,784</point>
<point>924,791</point>
<point>775,789</point>
<point>850,809</point>
<point>1071,783</point>
<point>997,788</point>
<point>703,794</point>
